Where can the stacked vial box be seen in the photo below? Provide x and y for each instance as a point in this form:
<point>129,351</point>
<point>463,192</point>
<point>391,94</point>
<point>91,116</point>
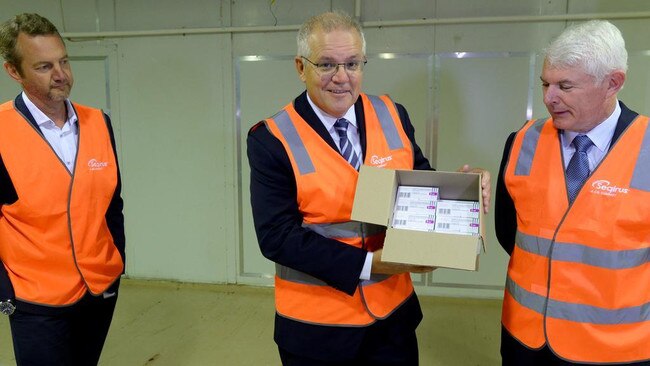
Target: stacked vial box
<point>419,208</point>
<point>415,208</point>
<point>457,217</point>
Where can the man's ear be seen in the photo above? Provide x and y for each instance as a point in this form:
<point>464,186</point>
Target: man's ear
<point>616,80</point>
<point>300,67</point>
<point>13,72</point>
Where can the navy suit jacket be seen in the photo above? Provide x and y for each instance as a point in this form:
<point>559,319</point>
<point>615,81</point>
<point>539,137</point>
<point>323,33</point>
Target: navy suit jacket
<point>282,239</point>
<point>114,215</point>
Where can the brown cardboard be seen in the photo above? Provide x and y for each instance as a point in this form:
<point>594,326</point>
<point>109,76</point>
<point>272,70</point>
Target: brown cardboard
<point>374,201</point>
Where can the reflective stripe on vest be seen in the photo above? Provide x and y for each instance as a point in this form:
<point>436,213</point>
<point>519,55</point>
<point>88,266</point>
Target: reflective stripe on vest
<point>579,277</point>
<point>525,159</point>
<point>387,123</point>
<point>347,230</point>
<point>305,166</point>
<point>641,175</point>
<point>576,253</point>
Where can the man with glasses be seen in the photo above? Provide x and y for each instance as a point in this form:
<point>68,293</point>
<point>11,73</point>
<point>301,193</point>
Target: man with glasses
<point>337,303</point>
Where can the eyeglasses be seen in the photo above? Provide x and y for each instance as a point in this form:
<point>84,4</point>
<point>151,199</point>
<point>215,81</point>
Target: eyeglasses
<point>331,68</point>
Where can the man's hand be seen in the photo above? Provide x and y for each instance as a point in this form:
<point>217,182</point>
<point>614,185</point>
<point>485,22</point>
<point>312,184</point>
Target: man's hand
<point>395,268</point>
<point>485,183</point>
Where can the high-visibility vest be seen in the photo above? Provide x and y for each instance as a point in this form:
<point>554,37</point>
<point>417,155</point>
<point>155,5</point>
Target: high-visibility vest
<point>54,240</point>
<point>326,184</point>
<point>579,276</point>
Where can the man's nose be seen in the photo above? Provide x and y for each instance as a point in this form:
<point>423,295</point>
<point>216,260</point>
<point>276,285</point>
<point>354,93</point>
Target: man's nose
<point>340,74</point>
<point>550,95</point>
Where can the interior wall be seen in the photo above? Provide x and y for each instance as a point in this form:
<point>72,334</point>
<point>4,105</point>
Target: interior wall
<point>182,102</point>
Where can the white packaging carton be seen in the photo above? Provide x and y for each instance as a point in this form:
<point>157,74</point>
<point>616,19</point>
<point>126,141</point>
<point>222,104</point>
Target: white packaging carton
<point>374,203</point>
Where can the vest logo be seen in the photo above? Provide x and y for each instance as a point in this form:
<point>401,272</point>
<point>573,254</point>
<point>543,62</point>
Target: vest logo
<point>380,161</point>
<point>95,164</point>
<point>604,187</point>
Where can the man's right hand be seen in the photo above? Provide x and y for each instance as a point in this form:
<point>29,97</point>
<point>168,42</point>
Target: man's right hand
<point>380,267</point>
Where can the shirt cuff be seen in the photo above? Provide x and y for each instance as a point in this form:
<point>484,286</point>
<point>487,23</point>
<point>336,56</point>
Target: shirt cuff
<point>367,267</point>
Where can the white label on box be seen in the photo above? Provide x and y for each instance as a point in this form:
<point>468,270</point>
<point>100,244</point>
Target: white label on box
<point>423,207</point>
<point>457,225</point>
<point>462,209</point>
<point>417,192</point>
<point>414,222</point>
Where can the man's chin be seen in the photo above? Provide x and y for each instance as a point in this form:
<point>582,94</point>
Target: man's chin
<point>59,96</point>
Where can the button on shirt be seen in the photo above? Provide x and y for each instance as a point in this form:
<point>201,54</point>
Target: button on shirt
<point>62,140</point>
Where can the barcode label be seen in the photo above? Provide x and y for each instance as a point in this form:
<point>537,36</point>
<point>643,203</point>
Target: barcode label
<point>399,222</point>
<point>443,225</point>
<point>404,194</point>
<point>444,211</point>
<point>402,208</point>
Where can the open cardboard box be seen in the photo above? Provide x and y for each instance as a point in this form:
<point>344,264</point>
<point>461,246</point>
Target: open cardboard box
<point>374,202</point>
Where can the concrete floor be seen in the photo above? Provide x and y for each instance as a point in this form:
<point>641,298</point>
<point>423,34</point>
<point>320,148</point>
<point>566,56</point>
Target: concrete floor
<point>171,324</point>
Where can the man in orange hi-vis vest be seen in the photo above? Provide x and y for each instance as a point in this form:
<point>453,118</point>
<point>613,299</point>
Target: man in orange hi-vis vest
<point>337,303</point>
<point>573,211</point>
<point>61,221</point>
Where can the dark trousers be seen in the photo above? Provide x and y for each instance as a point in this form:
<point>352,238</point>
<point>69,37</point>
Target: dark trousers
<point>74,337</point>
<point>380,347</point>
<point>514,353</point>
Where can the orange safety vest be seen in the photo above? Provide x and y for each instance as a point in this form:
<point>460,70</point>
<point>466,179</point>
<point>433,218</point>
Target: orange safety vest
<point>54,240</point>
<point>579,276</point>
<point>326,184</point>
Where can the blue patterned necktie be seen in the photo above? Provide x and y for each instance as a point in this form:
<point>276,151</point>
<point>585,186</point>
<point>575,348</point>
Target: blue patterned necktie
<point>348,153</point>
<point>578,169</point>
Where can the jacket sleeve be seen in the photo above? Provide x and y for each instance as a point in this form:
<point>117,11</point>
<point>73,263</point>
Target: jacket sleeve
<point>114,213</point>
<point>505,216</point>
<point>278,221</point>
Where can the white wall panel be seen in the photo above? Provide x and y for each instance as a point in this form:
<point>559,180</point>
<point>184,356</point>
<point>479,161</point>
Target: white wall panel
<point>176,157</point>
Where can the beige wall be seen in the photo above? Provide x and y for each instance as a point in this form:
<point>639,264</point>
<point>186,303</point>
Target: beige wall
<point>182,103</point>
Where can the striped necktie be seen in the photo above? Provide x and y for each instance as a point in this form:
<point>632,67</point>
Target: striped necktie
<point>348,153</point>
<point>578,169</point>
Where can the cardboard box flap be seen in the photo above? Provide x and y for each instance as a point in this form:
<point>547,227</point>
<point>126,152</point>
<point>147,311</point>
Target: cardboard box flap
<point>374,197</point>
<point>452,184</point>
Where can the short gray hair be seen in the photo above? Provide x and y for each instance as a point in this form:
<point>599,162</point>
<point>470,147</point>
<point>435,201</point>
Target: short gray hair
<point>330,21</point>
<point>597,46</point>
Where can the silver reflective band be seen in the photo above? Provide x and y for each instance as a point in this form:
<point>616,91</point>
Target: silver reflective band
<point>386,122</point>
<point>578,253</point>
<point>298,150</point>
<point>641,176</point>
<point>348,229</point>
<point>577,312</point>
<point>528,146</point>
<point>292,275</point>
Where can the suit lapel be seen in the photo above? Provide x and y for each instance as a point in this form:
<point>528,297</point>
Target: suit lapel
<point>627,116</point>
<point>20,105</point>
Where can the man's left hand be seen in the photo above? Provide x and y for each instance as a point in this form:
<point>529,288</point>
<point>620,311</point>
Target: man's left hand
<point>485,183</point>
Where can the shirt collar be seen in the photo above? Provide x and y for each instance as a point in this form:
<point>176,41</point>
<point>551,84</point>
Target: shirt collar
<point>40,117</point>
<point>327,120</point>
<point>601,135</point>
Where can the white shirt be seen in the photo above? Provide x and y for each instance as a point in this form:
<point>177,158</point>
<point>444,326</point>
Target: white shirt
<point>62,140</point>
<point>352,131</point>
<point>600,135</point>
<point>353,135</point>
